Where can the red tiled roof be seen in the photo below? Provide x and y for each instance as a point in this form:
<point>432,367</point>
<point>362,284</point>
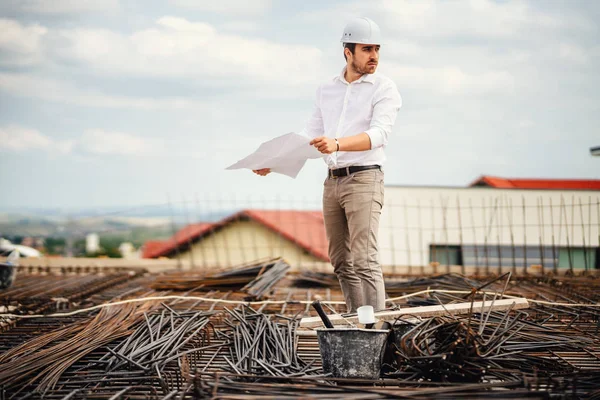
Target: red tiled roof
<point>152,247</point>
<point>549,184</point>
<point>304,228</point>
<point>158,248</point>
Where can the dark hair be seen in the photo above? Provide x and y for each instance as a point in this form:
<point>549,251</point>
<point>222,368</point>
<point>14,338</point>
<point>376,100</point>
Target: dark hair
<point>351,47</point>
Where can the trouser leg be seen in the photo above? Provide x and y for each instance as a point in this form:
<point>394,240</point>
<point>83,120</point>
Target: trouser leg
<point>362,199</point>
<point>338,236</point>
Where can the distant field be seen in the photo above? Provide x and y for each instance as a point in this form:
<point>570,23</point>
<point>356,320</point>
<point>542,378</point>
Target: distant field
<point>137,235</point>
<point>134,229</point>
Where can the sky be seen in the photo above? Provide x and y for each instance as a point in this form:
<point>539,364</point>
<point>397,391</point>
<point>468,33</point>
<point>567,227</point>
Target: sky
<point>120,103</point>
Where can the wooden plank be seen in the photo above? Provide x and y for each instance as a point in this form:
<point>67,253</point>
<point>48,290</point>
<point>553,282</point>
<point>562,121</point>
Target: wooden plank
<point>425,311</point>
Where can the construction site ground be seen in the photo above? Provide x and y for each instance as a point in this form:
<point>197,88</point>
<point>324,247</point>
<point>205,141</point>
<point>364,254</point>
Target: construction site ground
<point>199,339</point>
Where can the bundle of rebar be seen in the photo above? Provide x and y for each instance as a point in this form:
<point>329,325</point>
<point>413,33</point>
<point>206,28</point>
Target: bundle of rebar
<point>307,278</point>
<point>394,287</point>
<point>265,281</point>
<point>34,293</point>
<point>264,344</point>
<point>160,339</point>
<point>237,277</point>
<point>484,345</point>
<point>43,359</point>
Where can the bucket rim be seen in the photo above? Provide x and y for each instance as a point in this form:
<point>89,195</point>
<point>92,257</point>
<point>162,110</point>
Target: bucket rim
<point>344,329</point>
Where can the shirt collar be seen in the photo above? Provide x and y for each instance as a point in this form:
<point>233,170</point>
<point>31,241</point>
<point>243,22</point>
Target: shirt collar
<point>365,78</point>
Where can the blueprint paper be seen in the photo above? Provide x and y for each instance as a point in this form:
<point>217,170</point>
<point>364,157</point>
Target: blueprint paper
<point>285,154</point>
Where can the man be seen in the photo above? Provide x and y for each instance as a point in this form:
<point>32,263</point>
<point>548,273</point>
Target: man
<point>352,120</point>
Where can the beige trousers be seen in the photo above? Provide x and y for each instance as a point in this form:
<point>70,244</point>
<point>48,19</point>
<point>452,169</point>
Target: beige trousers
<point>351,207</point>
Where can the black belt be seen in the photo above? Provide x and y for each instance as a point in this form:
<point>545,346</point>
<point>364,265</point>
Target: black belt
<point>337,173</point>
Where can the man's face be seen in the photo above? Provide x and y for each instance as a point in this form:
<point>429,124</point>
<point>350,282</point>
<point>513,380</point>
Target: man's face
<point>365,58</point>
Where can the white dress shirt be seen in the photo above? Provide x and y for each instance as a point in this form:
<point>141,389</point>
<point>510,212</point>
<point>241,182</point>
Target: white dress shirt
<point>369,104</point>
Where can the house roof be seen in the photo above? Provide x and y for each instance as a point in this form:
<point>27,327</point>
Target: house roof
<point>304,228</point>
<point>548,184</point>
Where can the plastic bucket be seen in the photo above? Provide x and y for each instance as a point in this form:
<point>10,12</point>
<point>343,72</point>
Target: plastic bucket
<point>352,352</point>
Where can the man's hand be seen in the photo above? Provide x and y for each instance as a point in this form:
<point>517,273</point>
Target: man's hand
<point>262,172</point>
<point>324,144</point>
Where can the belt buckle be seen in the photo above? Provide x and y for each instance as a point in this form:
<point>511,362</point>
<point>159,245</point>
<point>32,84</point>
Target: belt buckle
<point>332,175</point>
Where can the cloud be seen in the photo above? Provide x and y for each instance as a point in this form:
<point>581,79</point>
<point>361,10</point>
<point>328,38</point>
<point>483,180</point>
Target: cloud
<point>449,19</point>
<point>240,26</point>
<point>526,124</point>
<point>451,80</point>
<point>101,142</point>
<point>61,6</point>
<point>254,7</point>
<point>19,139</point>
<point>28,85</point>
<point>176,47</point>
<point>20,45</point>
<point>470,47</point>
<point>479,18</point>
<point>573,53</point>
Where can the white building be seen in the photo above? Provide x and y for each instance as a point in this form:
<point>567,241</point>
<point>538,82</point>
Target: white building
<point>494,224</point>
<point>128,251</point>
<point>92,243</point>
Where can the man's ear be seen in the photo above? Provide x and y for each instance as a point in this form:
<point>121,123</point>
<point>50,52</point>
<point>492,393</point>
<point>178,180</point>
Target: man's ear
<point>347,52</point>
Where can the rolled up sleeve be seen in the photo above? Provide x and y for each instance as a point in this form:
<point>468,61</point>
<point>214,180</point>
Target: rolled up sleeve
<point>314,125</point>
<point>386,105</point>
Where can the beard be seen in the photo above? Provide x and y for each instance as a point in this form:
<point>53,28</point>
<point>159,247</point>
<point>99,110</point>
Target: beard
<point>361,69</point>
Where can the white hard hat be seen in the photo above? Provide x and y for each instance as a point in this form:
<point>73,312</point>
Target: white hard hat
<point>361,30</point>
